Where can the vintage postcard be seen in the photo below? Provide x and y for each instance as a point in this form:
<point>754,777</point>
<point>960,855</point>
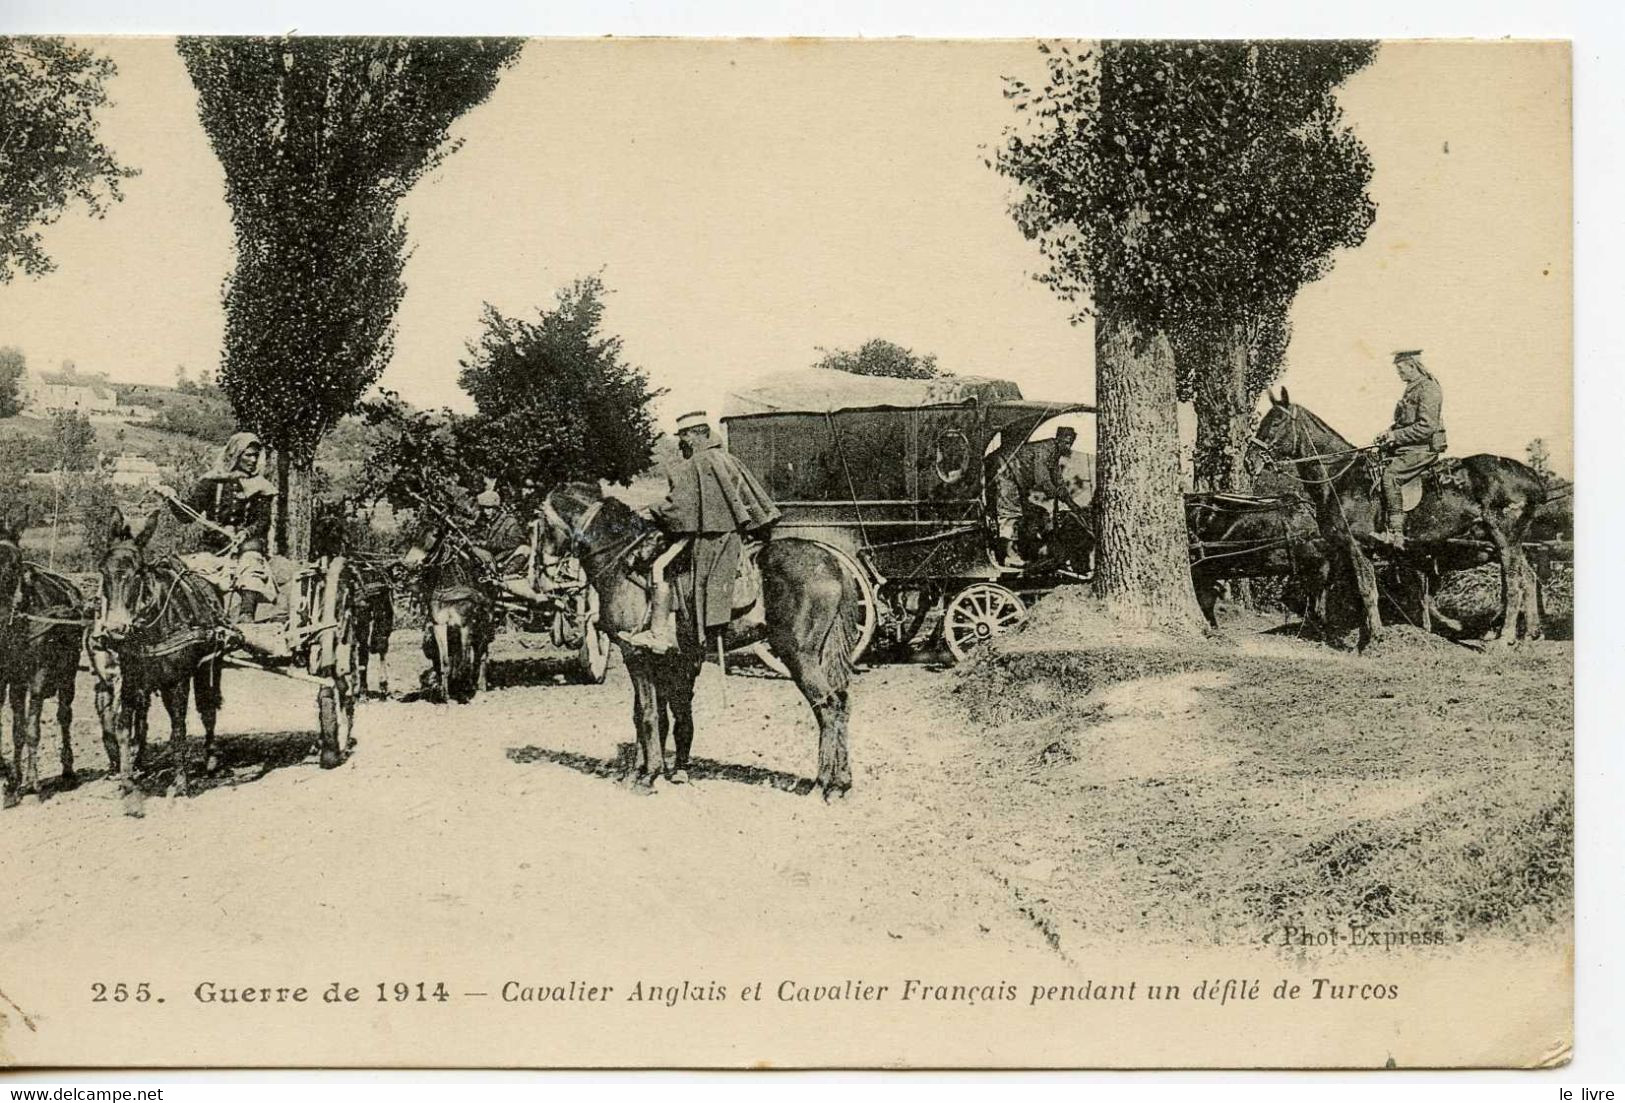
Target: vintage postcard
<point>786,553</point>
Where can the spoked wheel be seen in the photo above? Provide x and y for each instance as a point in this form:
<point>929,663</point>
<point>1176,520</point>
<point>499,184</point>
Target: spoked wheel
<point>868,608</point>
<point>977,614</point>
<point>592,658</point>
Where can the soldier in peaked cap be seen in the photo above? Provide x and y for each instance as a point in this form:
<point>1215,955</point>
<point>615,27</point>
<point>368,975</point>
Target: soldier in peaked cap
<point>713,502</point>
<point>1412,444</point>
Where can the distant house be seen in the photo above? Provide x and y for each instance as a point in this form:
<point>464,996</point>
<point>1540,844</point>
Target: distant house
<point>47,393</point>
<point>128,469</point>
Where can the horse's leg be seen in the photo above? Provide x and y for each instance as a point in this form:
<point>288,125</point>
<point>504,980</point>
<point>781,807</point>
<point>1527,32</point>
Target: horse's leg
<point>1532,602</point>
<point>681,703</point>
<point>645,711</point>
<point>175,695</point>
<point>206,691</point>
<point>443,660</point>
<point>8,779</point>
<point>65,690</point>
<point>1514,579</point>
<point>27,782</point>
<point>124,710</point>
<point>1207,596</point>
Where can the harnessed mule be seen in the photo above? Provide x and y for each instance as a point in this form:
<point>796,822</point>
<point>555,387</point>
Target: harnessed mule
<point>1485,494</point>
<point>460,616</point>
<point>167,628</point>
<point>41,632</point>
<point>808,602</point>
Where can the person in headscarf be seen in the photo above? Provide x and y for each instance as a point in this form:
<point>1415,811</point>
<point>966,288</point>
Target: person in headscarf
<point>712,503</point>
<point>1412,444</point>
<point>237,501</point>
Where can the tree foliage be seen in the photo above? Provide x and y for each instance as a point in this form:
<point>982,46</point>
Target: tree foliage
<point>1194,187</point>
<point>12,367</point>
<point>879,357</point>
<point>51,155</point>
<point>1190,180</point>
<point>554,399</point>
<point>418,459</point>
<point>320,138</point>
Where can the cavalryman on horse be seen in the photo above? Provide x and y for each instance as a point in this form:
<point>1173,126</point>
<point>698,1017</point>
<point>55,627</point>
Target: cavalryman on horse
<point>1412,444</point>
<point>713,502</point>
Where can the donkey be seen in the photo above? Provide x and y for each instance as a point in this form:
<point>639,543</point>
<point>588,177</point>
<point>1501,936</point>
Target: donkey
<point>460,619</point>
<point>1485,494</point>
<point>810,606</point>
<point>167,629</point>
<point>41,629</point>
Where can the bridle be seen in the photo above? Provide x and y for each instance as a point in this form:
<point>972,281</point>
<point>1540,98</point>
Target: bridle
<point>1286,465</point>
<point>140,621</point>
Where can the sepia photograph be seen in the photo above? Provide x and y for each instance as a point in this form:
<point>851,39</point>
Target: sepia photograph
<point>786,553</point>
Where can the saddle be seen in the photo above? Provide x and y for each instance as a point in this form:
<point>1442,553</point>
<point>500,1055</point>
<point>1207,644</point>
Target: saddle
<point>1443,472</point>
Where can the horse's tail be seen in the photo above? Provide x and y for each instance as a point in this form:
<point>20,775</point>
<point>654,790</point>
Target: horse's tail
<point>835,649</point>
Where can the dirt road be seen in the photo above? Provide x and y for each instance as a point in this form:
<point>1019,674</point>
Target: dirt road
<point>490,847</point>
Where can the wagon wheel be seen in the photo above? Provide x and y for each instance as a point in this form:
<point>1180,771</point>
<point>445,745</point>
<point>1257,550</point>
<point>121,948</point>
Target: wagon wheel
<point>592,659</point>
<point>868,612</point>
<point>977,614</point>
<point>334,655</point>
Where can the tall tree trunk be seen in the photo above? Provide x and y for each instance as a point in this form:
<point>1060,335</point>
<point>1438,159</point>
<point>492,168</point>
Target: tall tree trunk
<point>1143,567</point>
<point>296,479</point>
<point>1224,411</point>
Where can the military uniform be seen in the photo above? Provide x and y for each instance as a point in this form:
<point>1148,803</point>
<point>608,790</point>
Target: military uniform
<point>1036,470</point>
<point>713,500</point>
<point>1415,439</point>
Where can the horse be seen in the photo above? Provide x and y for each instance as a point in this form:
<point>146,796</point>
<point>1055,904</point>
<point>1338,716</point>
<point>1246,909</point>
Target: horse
<point>1234,536</point>
<point>167,627</point>
<point>1485,494</point>
<point>41,630</point>
<point>459,616</point>
<point>808,601</point>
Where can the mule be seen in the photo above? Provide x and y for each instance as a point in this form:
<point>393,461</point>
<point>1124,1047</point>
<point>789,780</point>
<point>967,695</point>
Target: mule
<point>1482,494</point>
<point>459,619</point>
<point>809,603</point>
<point>167,627</point>
<point>41,630</point>
<point>374,615</point>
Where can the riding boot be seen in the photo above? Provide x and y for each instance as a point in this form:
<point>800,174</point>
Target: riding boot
<point>661,635</point>
<point>1391,515</point>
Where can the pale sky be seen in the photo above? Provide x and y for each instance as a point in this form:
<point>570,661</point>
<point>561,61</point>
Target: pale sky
<point>750,201</point>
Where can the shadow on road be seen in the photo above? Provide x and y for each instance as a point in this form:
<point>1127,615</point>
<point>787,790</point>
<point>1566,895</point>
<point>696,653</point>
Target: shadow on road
<point>699,769</point>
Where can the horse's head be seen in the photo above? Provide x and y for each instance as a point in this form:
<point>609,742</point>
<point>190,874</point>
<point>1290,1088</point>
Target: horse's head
<point>567,510</point>
<point>13,572</point>
<point>122,574</point>
<point>579,521</point>
<point>1277,437</point>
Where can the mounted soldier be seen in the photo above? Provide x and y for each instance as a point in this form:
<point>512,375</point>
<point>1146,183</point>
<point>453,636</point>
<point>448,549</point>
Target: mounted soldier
<point>234,502</point>
<point>1036,471</point>
<point>1411,445</point>
<point>714,501</point>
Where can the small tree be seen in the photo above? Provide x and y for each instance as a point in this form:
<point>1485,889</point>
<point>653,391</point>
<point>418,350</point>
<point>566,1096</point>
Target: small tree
<point>12,367</point>
<point>554,400</point>
<point>1539,457</point>
<point>416,461</point>
<point>73,441</point>
<point>880,357</point>
<point>50,152</point>
<point>320,139</point>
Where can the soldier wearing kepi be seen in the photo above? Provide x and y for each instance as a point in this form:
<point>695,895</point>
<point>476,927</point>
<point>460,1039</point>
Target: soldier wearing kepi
<point>1412,444</point>
<point>503,544</point>
<point>1038,469</point>
<point>713,502</point>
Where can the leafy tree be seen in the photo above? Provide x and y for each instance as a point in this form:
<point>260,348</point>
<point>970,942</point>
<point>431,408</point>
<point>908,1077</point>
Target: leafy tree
<point>320,139</point>
<point>417,460</point>
<point>73,441</point>
<point>1539,457</point>
<point>12,366</point>
<point>1280,184</point>
<point>553,398</point>
<point>880,357</point>
<point>50,153</point>
<point>1184,190</point>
